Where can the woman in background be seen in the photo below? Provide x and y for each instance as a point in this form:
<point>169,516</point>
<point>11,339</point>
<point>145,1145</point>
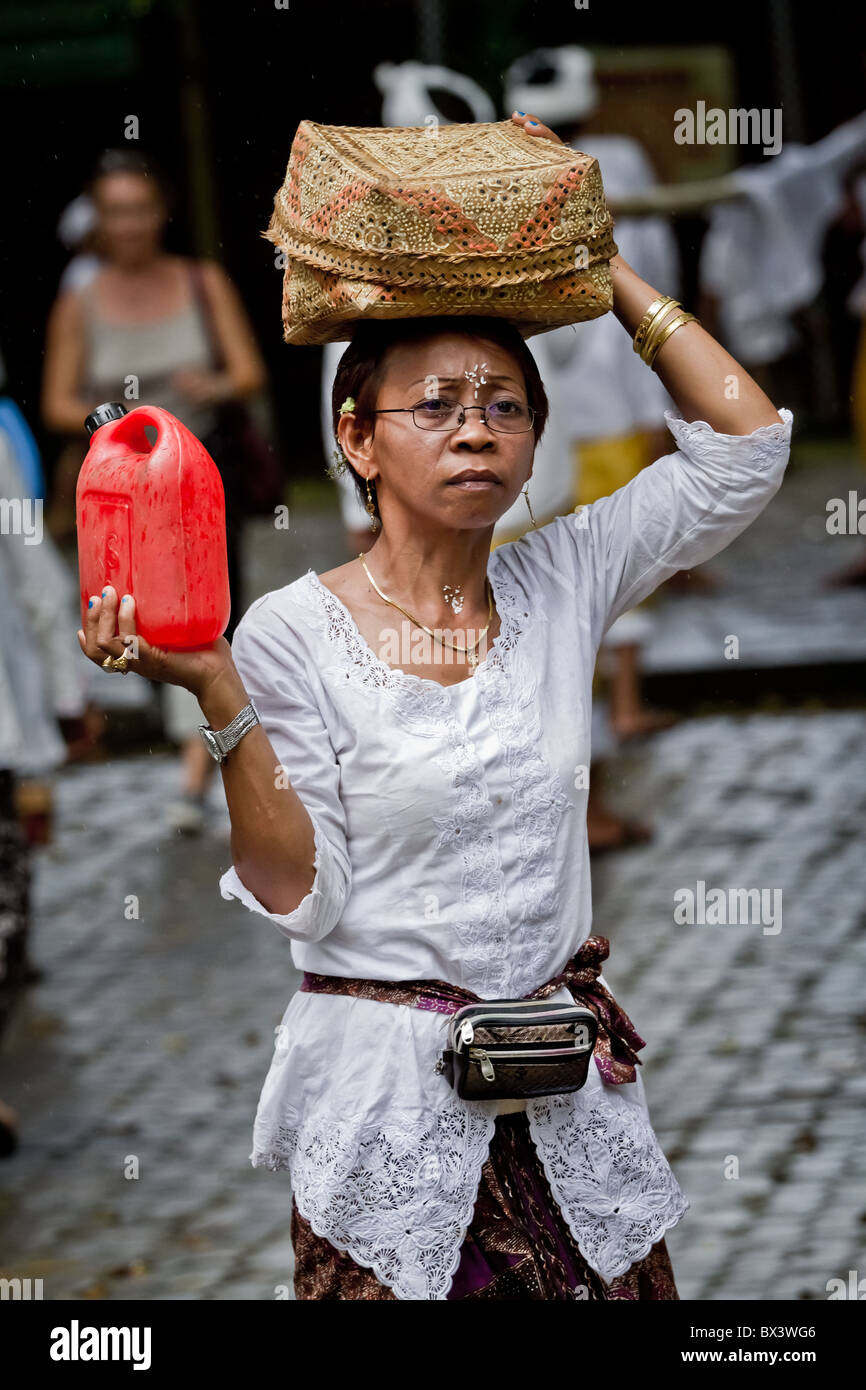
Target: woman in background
<point>147,328</point>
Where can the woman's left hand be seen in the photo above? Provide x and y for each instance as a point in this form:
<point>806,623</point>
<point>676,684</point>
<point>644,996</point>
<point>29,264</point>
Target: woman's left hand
<point>533,126</point>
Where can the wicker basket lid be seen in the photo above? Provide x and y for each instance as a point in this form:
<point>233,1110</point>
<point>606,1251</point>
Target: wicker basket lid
<point>391,222</point>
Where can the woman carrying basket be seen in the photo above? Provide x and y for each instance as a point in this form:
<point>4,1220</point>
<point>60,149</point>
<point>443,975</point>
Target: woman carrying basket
<point>404,743</point>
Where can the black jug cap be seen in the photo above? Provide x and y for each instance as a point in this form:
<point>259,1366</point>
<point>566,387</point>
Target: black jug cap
<point>111,410</point>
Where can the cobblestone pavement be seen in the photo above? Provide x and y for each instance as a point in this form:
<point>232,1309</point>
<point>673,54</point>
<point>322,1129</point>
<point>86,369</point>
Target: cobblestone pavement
<point>149,1038</point>
<point>144,1048</point>
<point>754,1036</point>
<point>771,594</point>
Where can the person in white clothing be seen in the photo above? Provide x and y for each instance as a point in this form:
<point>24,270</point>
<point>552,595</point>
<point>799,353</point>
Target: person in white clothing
<point>403,742</point>
<point>612,409</point>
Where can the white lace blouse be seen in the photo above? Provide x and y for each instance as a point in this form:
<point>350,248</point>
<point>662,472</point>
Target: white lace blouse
<point>450,834</point>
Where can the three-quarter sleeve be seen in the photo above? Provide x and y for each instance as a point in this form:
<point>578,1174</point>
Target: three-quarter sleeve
<point>674,514</point>
<point>267,655</point>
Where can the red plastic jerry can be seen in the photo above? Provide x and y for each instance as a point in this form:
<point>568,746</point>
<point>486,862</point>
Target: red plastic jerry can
<point>151,521</point>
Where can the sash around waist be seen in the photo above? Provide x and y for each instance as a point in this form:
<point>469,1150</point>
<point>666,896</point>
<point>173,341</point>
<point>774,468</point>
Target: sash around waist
<point>617,1042</point>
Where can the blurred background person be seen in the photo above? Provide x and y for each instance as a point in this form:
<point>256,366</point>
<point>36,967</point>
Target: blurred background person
<point>611,408</point>
<point>763,273</point>
<point>614,407</point>
<point>149,327</point>
<point>44,697</point>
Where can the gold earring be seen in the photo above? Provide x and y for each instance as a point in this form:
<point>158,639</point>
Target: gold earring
<point>528,503</point>
<point>371,508</point>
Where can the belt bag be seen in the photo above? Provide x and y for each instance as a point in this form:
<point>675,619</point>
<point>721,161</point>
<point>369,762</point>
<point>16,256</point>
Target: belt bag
<point>511,1049</point>
<point>503,1049</point>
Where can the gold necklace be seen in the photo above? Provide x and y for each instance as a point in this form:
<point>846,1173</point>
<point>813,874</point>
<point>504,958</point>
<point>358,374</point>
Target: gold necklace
<point>468,652</point>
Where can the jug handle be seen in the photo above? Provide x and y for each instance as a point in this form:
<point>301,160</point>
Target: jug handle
<point>129,430</point>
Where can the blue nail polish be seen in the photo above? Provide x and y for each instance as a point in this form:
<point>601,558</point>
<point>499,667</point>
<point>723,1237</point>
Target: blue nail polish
<point>533,122</point>
<point>521,113</point>
<point>104,593</point>
<point>90,603</point>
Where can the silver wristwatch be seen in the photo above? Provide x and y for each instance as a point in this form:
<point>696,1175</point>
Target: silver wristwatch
<point>219,742</point>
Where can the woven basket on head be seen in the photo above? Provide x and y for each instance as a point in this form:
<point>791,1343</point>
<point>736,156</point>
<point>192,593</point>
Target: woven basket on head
<point>410,221</point>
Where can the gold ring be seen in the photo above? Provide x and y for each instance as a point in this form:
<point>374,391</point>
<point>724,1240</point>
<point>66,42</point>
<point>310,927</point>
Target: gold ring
<point>116,663</point>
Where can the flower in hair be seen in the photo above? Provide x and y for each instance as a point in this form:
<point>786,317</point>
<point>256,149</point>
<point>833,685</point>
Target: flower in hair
<point>348,405</point>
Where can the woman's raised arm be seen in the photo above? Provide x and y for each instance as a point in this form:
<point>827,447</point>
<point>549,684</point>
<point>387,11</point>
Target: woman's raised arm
<point>706,382</point>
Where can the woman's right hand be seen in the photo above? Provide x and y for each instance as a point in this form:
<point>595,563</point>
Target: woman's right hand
<point>533,126</point>
<point>109,630</point>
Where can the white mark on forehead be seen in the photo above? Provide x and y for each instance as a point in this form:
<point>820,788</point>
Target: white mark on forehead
<point>476,375</point>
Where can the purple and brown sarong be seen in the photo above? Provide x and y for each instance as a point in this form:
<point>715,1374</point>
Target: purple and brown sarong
<point>518,1244</point>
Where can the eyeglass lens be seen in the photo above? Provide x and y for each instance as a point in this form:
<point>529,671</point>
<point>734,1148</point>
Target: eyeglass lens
<point>440,413</point>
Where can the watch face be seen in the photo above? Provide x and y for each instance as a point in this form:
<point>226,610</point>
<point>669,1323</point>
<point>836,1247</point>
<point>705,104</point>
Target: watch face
<point>211,744</point>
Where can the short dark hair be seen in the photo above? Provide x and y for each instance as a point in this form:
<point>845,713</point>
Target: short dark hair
<point>133,162</point>
<point>361,368</point>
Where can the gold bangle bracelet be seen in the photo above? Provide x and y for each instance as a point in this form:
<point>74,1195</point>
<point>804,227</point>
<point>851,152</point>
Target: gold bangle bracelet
<point>657,327</point>
<point>652,314</point>
<point>656,311</point>
<point>668,330</point>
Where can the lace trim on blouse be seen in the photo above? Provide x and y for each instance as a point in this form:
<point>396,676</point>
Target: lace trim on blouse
<point>761,448</point>
<point>398,1196</point>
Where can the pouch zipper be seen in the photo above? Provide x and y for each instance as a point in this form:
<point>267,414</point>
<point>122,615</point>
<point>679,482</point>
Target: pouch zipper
<point>539,1052</point>
<point>482,1056</point>
<point>465,1030</point>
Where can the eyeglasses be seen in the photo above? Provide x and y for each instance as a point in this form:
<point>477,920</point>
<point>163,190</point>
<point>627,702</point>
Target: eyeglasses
<point>440,413</point>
